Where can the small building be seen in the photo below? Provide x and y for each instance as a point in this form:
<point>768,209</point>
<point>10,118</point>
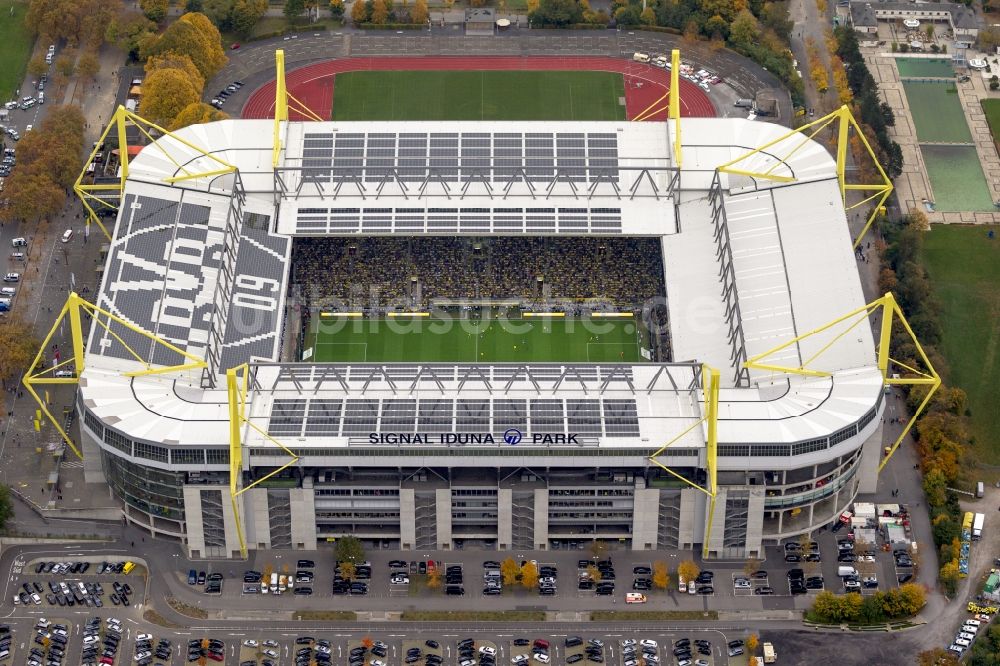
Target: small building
<point>895,535</point>
<point>960,18</point>
<point>991,590</point>
<point>480,21</point>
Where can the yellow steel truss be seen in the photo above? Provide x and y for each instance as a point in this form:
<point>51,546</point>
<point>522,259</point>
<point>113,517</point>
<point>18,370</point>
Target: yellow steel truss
<point>845,121</point>
<point>122,118</point>
<point>40,374</point>
<point>237,385</point>
<point>281,106</point>
<point>675,103</point>
<point>710,389</point>
<point>890,312</point>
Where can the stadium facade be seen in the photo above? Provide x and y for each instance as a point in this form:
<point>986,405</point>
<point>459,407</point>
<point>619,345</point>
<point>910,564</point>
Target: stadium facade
<point>507,456</point>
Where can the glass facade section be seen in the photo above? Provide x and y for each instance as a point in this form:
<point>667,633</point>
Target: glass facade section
<point>150,490</point>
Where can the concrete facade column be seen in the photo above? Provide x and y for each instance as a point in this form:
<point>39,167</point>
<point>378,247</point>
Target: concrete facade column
<point>871,456</point>
<point>505,518</point>
<point>407,519</point>
<point>194,522</point>
<point>541,518</point>
<point>686,524</point>
<point>93,470</point>
<point>645,518</point>
<point>755,522</point>
<point>303,510</point>
<point>229,521</point>
<point>442,497</point>
<point>256,521</point>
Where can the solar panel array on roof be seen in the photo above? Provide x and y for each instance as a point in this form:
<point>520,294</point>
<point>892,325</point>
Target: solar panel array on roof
<point>353,417</point>
<point>459,157</point>
<point>466,220</point>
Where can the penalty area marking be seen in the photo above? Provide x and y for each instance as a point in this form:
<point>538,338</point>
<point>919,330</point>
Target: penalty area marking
<point>363,345</point>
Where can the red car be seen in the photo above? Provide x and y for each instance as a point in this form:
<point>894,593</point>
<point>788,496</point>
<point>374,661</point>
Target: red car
<point>235,46</point>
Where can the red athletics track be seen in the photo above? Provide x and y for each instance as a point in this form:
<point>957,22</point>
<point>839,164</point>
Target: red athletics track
<point>645,85</point>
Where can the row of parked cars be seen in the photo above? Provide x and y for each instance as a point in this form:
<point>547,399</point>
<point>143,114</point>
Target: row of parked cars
<point>224,94</point>
<point>966,635</point>
<point>359,655</point>
<point>144,650</point>
<point>206,648</point>
<point>98,650</point>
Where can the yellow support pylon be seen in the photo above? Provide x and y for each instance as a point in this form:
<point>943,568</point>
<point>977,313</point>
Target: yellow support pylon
<point>281,106</point>
<point>846,122</point>
<point>675,103</point>
<point>122,118</point>
<point>38,374</point>
<point>237,385</point>
<point>889,309</point>
<point>710,389</point>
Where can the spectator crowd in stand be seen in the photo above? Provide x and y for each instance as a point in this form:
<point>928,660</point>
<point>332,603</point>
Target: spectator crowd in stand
<point>375,272</point>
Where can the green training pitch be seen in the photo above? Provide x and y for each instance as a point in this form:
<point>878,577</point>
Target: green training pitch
<point>15,48</point>
<point>427,340</point>
<point>964,266</point>
<point>478,95</point>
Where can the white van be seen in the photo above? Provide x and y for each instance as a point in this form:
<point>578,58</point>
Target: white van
<point>640,57</point>
<point>635,598</point>
<point>67,235</point>
<point>274,583</point>
<point>41,98</point>
<point>846,571</point>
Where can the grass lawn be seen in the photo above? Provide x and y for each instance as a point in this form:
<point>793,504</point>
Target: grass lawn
<point>471,95</point>
<point>465,341</point>
<point>964,267</point>
<point>15,47</point>
<point>991,107</point>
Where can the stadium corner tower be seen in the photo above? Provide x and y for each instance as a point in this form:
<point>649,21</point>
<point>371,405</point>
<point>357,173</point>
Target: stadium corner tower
<point>504,456</point>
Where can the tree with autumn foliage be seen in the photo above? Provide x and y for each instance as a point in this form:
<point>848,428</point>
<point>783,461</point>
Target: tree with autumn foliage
<point>419,13</point>
<point>195,36</point>
<point>165,93</point>
<point>196,114</point>
<point>19,344</point>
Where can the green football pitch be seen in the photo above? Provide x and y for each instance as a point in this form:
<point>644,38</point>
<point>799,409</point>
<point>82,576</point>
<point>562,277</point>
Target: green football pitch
<point>464,341</point>
<point>479,95</point>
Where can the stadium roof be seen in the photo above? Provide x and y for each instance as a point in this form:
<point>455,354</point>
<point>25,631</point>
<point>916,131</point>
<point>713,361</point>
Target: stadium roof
<point>748,264</point>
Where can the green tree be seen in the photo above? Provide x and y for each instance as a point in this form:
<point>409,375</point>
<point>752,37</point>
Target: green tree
<point>556,12</point>
<point>195,36</point>
<point>129,32</point>
<point>219,12</point>
<point>154,10</point>
<point>337,9</point>
<point>349,549</point>
<point>192,5</point>
<point>949,575</point>
<point>293,9</point>
<point>648,16</point>
<point>744,30</point>
<point>6,506</point>
<point>245,16</point>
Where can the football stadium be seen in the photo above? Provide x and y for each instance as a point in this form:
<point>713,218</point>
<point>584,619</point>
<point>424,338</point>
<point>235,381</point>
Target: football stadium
<point>477,331</point>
